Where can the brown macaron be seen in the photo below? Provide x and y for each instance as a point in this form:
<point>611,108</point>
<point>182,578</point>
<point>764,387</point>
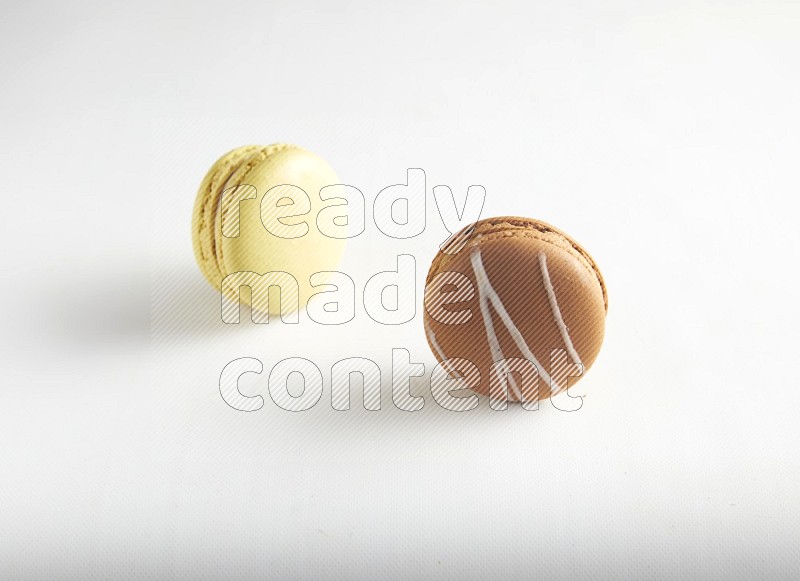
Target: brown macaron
<point>521,302</point>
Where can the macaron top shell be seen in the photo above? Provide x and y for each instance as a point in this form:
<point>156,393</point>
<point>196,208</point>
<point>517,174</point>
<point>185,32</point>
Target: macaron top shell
<point>514,226</point>
<point>534,290</point>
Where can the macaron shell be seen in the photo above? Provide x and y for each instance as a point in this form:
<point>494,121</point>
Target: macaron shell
<point>520,264</point>
<point>255,249</point>
<point>511,226</point>
<point>258,250</point>
<point>204,215</point>
<point>224,206</point>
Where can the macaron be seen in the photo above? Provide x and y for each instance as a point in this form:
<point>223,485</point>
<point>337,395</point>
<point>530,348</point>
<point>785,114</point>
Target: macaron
<point>255,214</point>
<point>516,308</point>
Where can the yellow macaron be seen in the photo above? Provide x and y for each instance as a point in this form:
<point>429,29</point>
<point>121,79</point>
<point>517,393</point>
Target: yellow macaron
<point>255,214</point>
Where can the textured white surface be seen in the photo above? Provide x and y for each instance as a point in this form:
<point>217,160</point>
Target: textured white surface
<point>662,135</point>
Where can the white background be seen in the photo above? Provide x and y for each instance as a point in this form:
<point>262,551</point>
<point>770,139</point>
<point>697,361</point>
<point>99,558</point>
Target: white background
<point>662,135</point>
